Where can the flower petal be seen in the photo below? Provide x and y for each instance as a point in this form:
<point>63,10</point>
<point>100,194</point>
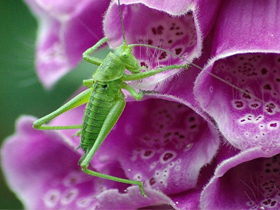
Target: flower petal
<point>112,199</point>
<point>66,30</point>
<point>245,104</point>
<point>247,180</point>
<point>182,85</point>
<point>190,199</point>
<point>187,200</point>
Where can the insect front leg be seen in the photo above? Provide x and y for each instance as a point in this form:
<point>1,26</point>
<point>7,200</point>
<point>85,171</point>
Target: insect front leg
<point>87,54</point>
<point>109,123</point>
<point>78,100</point>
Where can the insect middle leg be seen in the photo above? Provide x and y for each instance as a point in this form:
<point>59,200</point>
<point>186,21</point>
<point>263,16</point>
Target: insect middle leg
<point>108,124</point>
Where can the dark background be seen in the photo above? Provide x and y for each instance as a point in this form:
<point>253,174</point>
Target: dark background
<point>20,90</point>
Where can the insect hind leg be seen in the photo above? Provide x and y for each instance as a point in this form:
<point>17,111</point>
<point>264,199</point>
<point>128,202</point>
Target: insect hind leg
<point>110,121</point>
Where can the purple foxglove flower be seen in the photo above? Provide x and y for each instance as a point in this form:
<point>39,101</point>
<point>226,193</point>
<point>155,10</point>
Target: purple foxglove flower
<point>177,26</point>
<point>160,142</point>
<point>244,180</point>
<point>66,30</point>
<point>245,46</point>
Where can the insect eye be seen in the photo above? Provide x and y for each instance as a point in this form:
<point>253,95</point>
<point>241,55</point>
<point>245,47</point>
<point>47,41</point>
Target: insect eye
<point>124,55</point>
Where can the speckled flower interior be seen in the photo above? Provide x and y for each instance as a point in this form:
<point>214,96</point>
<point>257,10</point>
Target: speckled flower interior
<point>254,111</point>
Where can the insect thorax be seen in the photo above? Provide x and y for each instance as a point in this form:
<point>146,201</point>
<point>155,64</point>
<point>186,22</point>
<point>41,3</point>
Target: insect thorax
<point>111,69</point>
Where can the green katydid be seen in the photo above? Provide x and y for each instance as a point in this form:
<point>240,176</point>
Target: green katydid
<point>105,100</point>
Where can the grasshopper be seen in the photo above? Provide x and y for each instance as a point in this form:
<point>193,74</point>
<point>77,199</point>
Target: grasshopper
<point>105,100</point>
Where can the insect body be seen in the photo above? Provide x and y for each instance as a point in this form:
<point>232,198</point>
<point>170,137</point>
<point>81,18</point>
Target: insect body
<point>105,101</point>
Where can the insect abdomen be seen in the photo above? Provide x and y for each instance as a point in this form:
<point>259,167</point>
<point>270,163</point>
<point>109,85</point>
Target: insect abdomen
<point>97,109</point>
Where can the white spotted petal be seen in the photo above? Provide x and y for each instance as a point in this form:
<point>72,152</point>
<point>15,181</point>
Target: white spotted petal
<point>245,53</point>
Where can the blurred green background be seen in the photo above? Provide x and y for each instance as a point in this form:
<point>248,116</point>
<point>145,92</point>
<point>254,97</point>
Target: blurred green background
<point>21,92</point>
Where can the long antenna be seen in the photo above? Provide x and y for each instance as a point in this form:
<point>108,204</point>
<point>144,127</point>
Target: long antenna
<point>120,14</point>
